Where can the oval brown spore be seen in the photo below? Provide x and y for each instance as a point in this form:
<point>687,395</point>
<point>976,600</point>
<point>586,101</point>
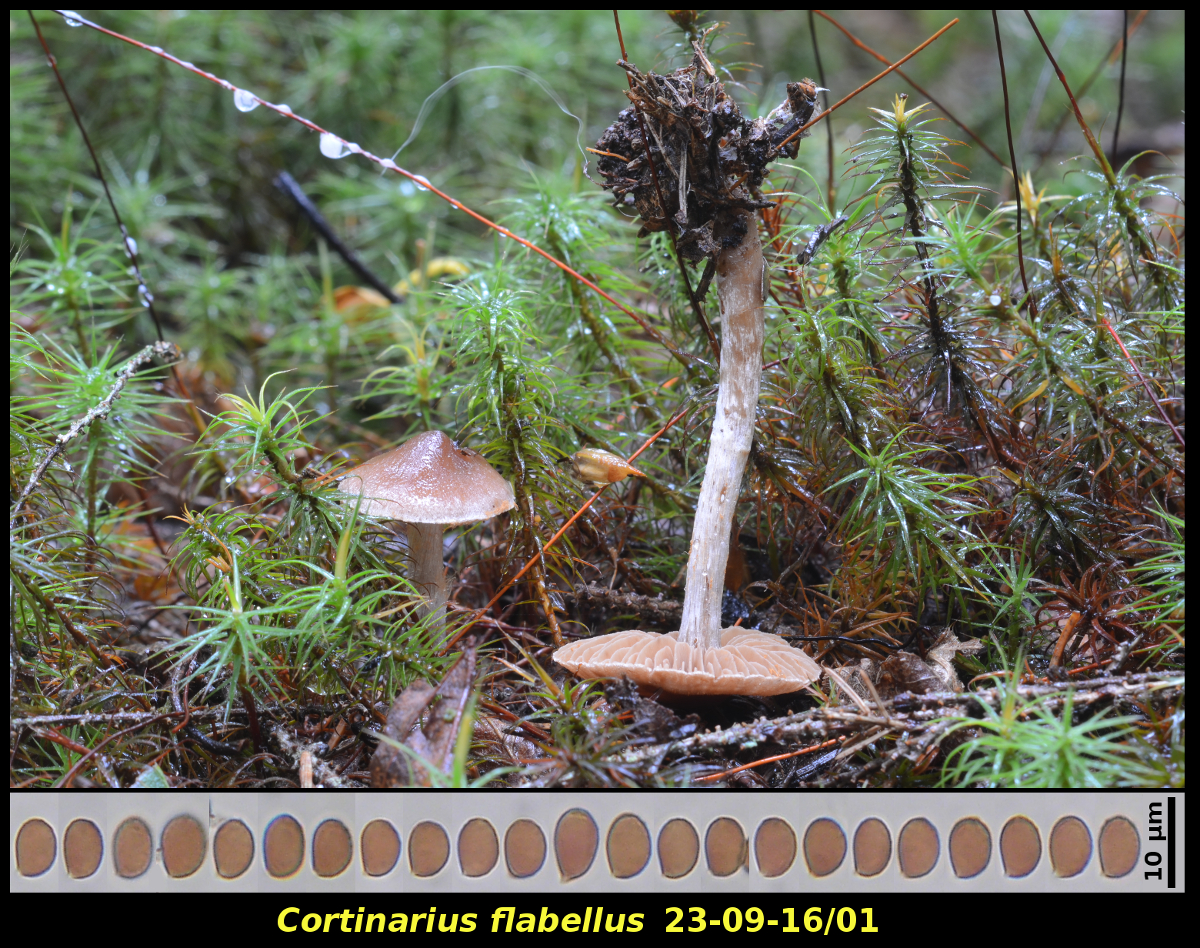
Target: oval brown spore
<point>233,849</point>
<point>1070,846</point>
<point>1119,847</point>
<point>678,848</point>
<point>1020,847</point>
<point>36,847</point>
<point>970,847</point>
<point>380,848</point>
<point>183,846</point>
<point>872,847</point>
<point>478,848</point>
<point>332,849</point>
<point>917,848</point>
<point>725,847</point>
<point>428,848</point>
<point>576,839</point>
<point>524,848</point>
<point>132,848</point>
<point>774,847</point>
<point>283,847</point>
<point>824,846</point>
<point>628,846</point>
<point>83,848</point>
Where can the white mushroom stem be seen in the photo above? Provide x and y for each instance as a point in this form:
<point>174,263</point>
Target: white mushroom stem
<point>739,286</point>
<point>428,574</point>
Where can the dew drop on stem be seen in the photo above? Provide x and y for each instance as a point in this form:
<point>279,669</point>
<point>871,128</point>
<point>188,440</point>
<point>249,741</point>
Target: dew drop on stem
<point>72,18</point>
<point>245,101</point>
<point>332,146</point>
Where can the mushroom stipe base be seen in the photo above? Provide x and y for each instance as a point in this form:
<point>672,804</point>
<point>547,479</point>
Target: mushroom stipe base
<point>614,842</point>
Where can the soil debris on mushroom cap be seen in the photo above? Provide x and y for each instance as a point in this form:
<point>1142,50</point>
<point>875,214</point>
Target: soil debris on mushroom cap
<point>709,158</point>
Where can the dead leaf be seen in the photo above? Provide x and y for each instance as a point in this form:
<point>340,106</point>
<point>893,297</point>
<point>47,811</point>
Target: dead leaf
<point>435,740</point>
<point>941,656</point>
<point>904,671</point>
<point>510,749</point>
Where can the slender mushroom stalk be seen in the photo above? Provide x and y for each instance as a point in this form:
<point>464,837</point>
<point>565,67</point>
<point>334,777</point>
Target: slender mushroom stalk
<point>739,286</point>
<point>428,572</point>
<point>693,151</point>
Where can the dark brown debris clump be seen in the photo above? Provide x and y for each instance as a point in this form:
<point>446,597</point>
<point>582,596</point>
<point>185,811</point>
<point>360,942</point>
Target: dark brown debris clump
<point>709,159</point>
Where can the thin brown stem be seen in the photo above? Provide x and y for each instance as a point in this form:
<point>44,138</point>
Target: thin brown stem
<point>1121,87</point>
<point>912,82</point>
<point>812,31</point>
<point>866,85</point>
<point>1132,225</point>
<point>1012,154</point>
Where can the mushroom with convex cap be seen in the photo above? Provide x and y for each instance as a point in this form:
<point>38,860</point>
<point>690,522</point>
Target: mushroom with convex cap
<point>430,484</point>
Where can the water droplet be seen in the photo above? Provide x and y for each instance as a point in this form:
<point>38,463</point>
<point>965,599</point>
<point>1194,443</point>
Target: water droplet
<point>245,101</point>
<point>407,189</point>
<point>994,299</point>
<point>389,164</point>
<point>145,295</point>
<point>72,18</point>
<point>160,200</point>
<point>332,146</point>
<point>130,246</point>
<point>421,182</point>
<point>154,49</point>
<point>187,65</point>
<point>285,108</point>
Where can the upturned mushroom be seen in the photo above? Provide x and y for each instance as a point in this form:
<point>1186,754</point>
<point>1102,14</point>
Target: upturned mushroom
<point>430,484</point>
<point>710,164</point>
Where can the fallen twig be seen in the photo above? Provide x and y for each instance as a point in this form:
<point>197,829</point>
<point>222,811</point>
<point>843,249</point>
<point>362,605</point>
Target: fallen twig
<point>915,714</point>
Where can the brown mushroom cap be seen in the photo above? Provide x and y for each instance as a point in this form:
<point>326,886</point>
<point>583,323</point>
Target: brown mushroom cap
<point>747,662</point>
<point>430,479</point>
